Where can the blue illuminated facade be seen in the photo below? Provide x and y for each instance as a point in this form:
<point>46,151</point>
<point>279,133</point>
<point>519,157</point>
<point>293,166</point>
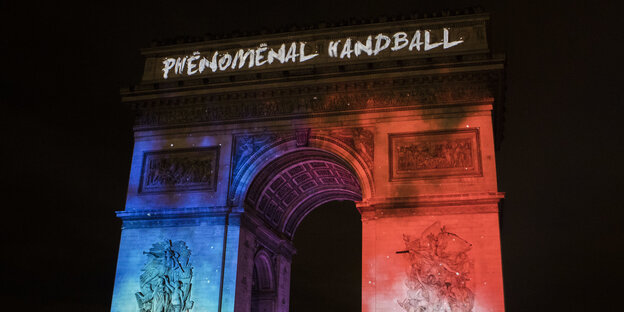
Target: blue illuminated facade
<point>196,215</point>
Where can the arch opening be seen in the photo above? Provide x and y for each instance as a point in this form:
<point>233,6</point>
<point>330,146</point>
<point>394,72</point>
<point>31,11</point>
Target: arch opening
<point>327,269</point>
<point>280,197</point>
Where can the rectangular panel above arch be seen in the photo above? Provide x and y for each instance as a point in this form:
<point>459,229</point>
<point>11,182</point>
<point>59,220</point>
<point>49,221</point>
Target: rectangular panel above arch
<point>180,170</point>
<point>434,154</point>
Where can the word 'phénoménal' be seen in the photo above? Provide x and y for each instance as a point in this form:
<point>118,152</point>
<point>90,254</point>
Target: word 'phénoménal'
<point>295,52</point>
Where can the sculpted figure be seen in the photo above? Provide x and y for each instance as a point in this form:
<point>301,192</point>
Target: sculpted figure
<point>438,273</point>
<point>363,140</point>
<point>177,298</point>
<point>166,279</point>
<point>244,148</point>
<point>161,297</point>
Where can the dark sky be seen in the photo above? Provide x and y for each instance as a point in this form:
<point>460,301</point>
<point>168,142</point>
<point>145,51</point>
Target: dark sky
<point>67,139</point>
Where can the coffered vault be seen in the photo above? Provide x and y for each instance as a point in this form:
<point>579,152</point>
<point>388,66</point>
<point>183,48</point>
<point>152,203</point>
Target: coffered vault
<point>290,187</point>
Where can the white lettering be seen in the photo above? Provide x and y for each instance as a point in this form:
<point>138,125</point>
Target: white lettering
<point>368,48</point>
<point>302,56</point>
<point>415,41</point>
<point>346,49</point>
<point>259,56</point>
<point>202,64</point>
<point>428,45</point>
<point>211,64</point>
<point>295,51</point>
<point>378,46</point>
<point>225,61</point>
<point>205,63</point>
<point>179,66</point>
<point>332,49</point>
<point>241,56</point>
<point>281,53</point>
<point>168,65</point>
<point>400,41</point>
<point>292,53</point>
<point>189,64</point>
<point>448,44</point>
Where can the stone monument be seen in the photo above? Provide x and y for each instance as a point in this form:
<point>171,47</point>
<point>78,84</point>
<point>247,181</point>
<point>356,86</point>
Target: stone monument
<point>238,139</point>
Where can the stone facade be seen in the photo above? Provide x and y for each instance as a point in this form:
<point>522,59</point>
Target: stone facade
<point>230,163</point>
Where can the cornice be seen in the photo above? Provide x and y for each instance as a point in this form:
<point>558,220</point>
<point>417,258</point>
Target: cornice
<point>151,214</point>
<point>486,202</point>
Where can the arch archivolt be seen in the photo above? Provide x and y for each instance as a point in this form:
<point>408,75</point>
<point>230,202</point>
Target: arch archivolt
<point>254,152</point>
<point>297,214</point>
<point>282,192</point>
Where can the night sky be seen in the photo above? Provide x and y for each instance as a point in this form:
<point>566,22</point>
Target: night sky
<point>67,142</point>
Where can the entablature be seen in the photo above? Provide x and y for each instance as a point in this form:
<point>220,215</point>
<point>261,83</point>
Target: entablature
<point>369,94</point>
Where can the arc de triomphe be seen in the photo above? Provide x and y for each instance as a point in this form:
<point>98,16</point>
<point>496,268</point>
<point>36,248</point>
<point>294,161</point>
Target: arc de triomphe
<point>238,139</point>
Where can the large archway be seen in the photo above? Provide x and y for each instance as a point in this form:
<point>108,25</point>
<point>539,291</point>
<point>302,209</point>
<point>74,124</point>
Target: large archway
<point>281,195</point>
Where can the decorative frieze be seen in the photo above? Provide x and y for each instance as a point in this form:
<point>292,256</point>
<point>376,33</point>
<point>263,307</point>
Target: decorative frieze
<point>434,154</point>
<point>320,99</point>
<point>180,170</point>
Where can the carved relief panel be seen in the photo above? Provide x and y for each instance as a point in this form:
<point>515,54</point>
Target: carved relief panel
<point>180,170</point>
<point>360,139</point>
<point>438,275</point>
<point>246,146</point>
<point>434,154</point>
<point>166,280</point>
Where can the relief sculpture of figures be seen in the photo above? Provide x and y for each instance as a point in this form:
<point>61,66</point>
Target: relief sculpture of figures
<point>438,273</point>
<point>180,170</point>
<point>247,145</point>
<point>363,141</point>
<point>166,279</point>
<point>359,138</point>
<point>435,155</point>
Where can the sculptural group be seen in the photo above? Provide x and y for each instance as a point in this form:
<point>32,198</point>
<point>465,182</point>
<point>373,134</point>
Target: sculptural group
<point>166,279</point>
